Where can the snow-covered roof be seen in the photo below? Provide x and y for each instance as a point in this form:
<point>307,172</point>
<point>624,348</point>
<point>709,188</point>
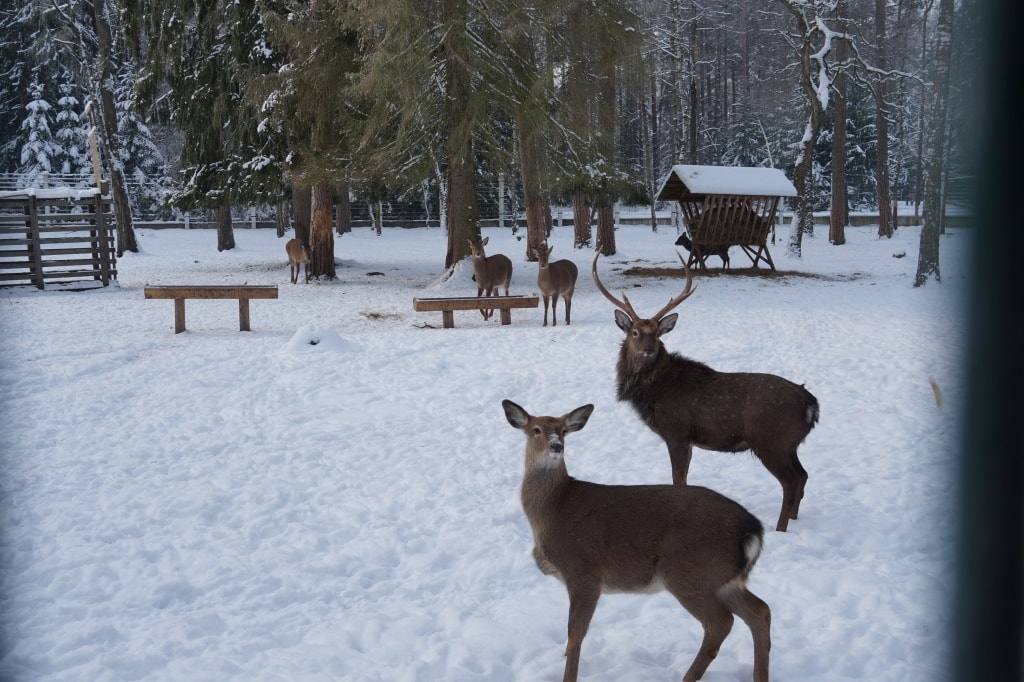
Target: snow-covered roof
<point>764,182</point>
<point>50,193</point>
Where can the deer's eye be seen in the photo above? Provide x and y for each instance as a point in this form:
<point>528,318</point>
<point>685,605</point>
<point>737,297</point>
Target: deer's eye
<point>636,334</point>
<point>536,429</point>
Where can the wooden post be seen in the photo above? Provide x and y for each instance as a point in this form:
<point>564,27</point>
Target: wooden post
<point>506,316</point>
<point>35,255</point>
<point>103,238</point>
<point>179,315</point>
<point>449,319</point>
<point>243,315</point>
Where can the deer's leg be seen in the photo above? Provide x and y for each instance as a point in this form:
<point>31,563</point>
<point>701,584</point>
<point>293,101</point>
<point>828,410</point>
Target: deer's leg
<point>582,603</point>
<point>547,299</point>
<point>479,293</point>
<point>554,309</point>
<point>781,467</point>
<point>568,307</point>
<point>801,474</point>
<point>291,273</point>
<point>716,619</point>
<point>679,454</point>
<point>758,617</point>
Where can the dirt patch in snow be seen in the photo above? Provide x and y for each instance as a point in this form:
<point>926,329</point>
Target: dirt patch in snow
<point>678,273</point>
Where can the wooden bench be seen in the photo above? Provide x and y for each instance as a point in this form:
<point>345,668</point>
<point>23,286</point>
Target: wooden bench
<point>448,306</point>
<point>242,293</point>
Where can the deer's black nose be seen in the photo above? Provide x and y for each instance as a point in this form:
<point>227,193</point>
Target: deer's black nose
<point>556,447</point>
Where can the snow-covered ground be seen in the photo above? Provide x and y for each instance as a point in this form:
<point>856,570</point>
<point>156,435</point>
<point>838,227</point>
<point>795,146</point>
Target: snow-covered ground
<point>220,505</point>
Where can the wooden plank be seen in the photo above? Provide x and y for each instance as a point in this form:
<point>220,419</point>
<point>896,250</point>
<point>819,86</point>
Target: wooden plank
<point>179,315</point>
<point>211,291</point>
<point>63,252</point>
<point>62,240</point>
<point>105,244</point>
<point>74,274</point>
<point>8,265</point>
<point>448,319</point>
<point>36,259</point>
<point>12,229</point>
<point>506,316</point>
<point>243,315</point>
<point>474,303</point>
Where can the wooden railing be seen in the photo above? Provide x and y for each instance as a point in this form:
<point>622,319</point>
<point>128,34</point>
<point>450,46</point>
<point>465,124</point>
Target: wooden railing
<point>47,238</point>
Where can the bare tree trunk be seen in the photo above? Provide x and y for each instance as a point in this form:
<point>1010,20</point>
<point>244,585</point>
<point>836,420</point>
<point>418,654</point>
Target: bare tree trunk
<point>225,233</point>
<point>126,240</point>
<point>343,210</point>
<point>882,124</point>
<point>580,220</point>
<point>839,214</point>
<point>301,211</point>
<point>606,225</point>
<point>281,222</point>
<point>928,259</point>
<point>321,234</point>
<point>463,211</point>
<point>529,136</point>
<point>692,156</point>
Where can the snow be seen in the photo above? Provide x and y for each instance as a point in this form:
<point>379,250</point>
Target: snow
<point>768,182</point>
<point>218,505</point>
<point>50,193</point>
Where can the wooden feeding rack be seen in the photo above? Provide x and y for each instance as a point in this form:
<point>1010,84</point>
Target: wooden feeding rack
<point>56,235</point>
<point>726,206</point>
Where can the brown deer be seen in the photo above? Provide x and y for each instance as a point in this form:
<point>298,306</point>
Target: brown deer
<point>703,252</point>
<point>687,403</point>
<point>298,255</point>
<point>490,272</point>
<point>691,541</point>
<point>554,279</point>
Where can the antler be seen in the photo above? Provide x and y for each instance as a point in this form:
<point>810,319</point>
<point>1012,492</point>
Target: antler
<point>622,305</point>
<point>686,293</point>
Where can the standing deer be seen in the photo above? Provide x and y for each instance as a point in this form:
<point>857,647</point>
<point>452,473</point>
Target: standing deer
<point>298,255</point>
<point>687,403</point>
<point>554,279</point>
<point>703,252</point>
<point>490,272</point>
<point>691,541</point>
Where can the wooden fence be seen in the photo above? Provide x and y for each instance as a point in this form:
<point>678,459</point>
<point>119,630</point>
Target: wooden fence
<point>45,237</point>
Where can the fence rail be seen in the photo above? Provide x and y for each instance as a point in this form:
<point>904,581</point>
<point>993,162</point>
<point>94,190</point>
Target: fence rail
<point>56,240</point>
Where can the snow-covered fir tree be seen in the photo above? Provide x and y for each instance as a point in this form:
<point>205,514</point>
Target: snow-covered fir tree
<point>71,134</point>
<point>39,152</point>
<point>144,165</point>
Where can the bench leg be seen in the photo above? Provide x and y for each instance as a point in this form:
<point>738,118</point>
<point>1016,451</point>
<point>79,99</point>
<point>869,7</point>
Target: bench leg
<point>449,319</point>
<point>506,316</point>
<point>179,315</point>
<point>243,315</point>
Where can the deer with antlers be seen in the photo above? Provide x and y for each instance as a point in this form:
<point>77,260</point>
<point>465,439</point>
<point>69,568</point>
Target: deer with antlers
<point>687,403</point>
<point>692,542</point>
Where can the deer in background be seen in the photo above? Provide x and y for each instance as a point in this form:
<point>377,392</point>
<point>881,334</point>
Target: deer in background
<point>490,272</point>
<point>687,403</point>
<point>298,255</point>
<point>554,279</point>
<point>691,541</point>
<point>703,252</point>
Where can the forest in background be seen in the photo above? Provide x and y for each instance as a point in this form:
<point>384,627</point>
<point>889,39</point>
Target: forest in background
<point>307,105</point>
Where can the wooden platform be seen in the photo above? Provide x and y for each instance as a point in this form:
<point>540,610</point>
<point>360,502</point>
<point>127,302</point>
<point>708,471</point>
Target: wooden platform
<point>448,305</point>
<point>181,292</point>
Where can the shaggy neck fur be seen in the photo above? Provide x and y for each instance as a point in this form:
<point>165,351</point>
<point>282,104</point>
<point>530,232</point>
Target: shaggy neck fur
<point>641,382</point>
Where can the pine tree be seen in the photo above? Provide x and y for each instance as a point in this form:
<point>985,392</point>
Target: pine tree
<point>71,134</point>
<point>141,159</point>
<point>39,152</point>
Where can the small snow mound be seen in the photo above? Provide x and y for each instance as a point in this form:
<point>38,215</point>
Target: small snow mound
<point>312,338</point>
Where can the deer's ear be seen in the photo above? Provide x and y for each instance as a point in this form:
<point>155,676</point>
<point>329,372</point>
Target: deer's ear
<point>622,320</point>
<point>577,419</point>
<point>516,415</point>
<point>483,242</point>
<point>470,242</point>
<point>550,249</point>
<point>667,323</point>
<point>533,252</point>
